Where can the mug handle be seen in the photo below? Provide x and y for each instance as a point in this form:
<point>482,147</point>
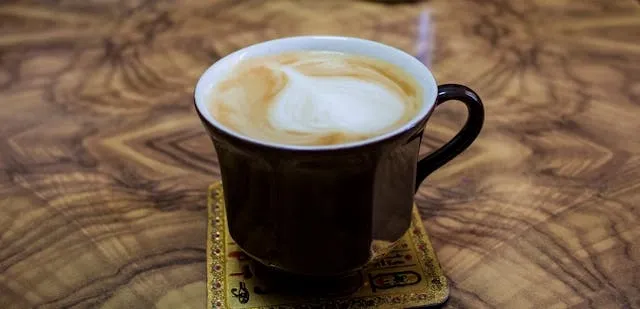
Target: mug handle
<point>463,139</point>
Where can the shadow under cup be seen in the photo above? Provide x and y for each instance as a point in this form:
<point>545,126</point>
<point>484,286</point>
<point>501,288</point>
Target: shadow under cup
<point>322,210</point>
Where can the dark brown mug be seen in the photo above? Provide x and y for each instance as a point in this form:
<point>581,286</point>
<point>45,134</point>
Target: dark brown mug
<point>321,210</point>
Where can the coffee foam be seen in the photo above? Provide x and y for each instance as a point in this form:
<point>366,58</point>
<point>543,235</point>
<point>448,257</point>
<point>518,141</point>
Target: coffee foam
<point>314,98</point>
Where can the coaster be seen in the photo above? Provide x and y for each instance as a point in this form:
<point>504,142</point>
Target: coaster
<point>407,276</point>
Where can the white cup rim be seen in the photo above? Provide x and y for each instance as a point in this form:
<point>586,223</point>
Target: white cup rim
<point>353,45</point>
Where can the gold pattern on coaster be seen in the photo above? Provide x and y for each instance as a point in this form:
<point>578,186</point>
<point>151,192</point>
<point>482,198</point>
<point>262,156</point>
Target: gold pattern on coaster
<point>408,276</point>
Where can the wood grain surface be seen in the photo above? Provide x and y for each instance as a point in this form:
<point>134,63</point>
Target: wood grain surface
<point>104,165</point>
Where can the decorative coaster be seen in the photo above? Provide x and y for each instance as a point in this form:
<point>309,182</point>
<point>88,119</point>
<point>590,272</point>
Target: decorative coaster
<point>407,276</point>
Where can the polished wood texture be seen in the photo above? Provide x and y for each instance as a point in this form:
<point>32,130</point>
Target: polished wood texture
<point>104,164</point>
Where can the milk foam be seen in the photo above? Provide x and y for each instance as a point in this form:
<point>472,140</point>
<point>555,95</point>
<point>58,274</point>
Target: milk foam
<point>314,98</point>
<point>333,104</point>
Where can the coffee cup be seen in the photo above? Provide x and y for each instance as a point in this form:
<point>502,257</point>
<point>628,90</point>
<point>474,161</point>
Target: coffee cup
<point>328,209</point>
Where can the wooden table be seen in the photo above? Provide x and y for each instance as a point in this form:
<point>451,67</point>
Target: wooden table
<point>104,164</point>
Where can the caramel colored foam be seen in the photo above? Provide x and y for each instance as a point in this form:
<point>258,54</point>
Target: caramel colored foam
<point>314,98</point>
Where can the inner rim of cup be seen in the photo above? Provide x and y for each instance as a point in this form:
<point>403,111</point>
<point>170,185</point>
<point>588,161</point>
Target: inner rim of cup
<point>220,69</point>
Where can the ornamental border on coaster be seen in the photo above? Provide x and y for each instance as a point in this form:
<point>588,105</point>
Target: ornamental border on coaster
<point>407,276</point>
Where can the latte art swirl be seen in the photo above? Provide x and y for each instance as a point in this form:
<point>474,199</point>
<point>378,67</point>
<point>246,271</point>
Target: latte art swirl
<point>314,98</point>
